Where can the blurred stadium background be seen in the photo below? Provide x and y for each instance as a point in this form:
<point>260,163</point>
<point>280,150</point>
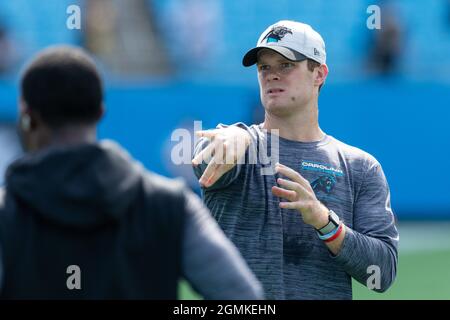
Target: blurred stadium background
<point>167,63</point>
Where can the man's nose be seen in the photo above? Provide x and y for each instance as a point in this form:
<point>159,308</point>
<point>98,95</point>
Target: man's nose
<point>273,75</point>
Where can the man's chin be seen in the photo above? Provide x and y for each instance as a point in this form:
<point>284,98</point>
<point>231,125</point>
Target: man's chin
<point>277,109</point>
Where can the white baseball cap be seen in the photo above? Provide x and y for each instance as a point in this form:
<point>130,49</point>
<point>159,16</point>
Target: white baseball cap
<point>295,41</point>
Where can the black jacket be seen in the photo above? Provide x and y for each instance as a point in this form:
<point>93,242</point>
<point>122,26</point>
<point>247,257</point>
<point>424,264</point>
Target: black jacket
<point>93,207</point>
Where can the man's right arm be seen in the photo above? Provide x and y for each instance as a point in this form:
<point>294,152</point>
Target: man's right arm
<point>211,263</point>
<point>219,155</point>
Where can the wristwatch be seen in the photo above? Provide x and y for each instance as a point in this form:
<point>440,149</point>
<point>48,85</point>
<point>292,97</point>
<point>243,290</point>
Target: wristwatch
<point>333,223</point>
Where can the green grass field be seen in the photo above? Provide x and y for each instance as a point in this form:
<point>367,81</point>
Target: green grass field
<point>421,275</point>
<point>423,268</point>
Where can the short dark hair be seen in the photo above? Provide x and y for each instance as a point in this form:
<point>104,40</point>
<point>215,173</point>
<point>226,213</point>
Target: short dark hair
<point>311,66</point>
<point>63,86</point>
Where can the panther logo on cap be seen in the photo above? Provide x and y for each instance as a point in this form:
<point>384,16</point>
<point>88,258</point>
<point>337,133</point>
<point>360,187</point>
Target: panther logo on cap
<point>276,34</point>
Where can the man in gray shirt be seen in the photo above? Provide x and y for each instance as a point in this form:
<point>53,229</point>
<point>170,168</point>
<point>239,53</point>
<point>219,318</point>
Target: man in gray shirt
<point>323,214</point>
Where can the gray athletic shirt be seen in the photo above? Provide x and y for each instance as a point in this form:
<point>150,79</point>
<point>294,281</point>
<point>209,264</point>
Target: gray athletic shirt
<point>285,253</point>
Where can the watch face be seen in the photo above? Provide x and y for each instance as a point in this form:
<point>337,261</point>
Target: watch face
<point>334,217</point>
<point>333,224</point>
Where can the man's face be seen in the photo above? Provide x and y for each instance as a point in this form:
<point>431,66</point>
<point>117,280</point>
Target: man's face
<point>285,86</point>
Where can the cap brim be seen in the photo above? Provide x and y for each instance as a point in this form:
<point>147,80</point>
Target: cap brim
<point>251,57</point>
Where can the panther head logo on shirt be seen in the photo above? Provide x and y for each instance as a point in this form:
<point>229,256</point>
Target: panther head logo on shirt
<point>323,183</point>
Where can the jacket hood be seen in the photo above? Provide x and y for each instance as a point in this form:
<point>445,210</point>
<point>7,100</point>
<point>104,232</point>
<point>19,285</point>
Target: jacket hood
<point>79,186</point>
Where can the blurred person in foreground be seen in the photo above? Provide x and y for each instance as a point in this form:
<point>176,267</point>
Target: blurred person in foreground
<point>73,201</point>
<point>319,217</point>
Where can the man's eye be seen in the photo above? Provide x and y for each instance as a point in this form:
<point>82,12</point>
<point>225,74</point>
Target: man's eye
<point>263,67</point>
<point>287,65</point>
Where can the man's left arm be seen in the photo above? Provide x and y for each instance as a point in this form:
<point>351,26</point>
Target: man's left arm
<point>371,244</point>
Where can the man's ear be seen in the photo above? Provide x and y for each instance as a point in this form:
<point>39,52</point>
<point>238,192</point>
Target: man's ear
<point>25,122</point>
<point>322,73</point>
<point>24,116</point>
<point>27,117</point>
<point>22,105</point>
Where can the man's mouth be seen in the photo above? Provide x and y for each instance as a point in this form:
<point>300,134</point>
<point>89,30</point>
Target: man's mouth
<point>274,91</point>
